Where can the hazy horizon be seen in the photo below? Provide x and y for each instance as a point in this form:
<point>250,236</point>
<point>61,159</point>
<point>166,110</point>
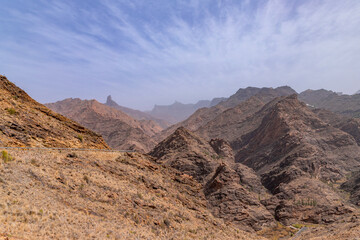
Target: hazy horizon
<point>144,54</point>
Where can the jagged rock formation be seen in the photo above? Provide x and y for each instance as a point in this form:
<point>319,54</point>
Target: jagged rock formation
<point>348,105</point>
<point>138,115</point>
<point>25,122</point>
<point>230,188</point>
<point>119,130</point>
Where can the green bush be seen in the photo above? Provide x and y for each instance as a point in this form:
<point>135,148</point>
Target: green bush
<point>80,137</point>
<point>6,156</point>
<point>11,111</point>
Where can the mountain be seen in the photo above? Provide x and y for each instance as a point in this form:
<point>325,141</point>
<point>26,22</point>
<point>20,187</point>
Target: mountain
<point>136,114</point>
<point>103,195</point>
<point>177,111</point>
<point>348,105</point>
<point>206,116</point>
<point>119,130</point>
<point>358,92</point>
<point>25,122</point>
<point>299,160</point>
<point>265,94</point>
<point>224,181</point>
<point>297,156</point>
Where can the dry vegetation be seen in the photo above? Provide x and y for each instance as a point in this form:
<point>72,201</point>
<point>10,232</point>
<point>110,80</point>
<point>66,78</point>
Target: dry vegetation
<point>102,195</point>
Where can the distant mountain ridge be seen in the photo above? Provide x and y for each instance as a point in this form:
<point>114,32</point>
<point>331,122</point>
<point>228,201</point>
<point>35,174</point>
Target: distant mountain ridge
<point>139,115</point>
<point>119,130</point>
<point>204,115</point>
<point>348,105</point>
<point>178,111</point>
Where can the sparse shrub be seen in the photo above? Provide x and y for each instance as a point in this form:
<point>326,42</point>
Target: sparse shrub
<point>86,179</point>
<point>11,111</point>
<point>72,155</point>
<point>33,162</point>
<point>167,222</point>
<point>80,137</point>
<point>6,156</point>
<point>140,195</point>
<point>296,225</point>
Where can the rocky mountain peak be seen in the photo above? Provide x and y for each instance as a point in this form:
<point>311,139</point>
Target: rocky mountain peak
<point>110,102</point>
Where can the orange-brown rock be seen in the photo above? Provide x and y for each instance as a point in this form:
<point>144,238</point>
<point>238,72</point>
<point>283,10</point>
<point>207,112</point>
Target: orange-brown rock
<point>25,122</point>
<point>119,130</point>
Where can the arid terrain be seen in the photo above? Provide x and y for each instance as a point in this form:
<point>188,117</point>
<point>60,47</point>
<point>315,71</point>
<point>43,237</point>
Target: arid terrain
<point>25,122</point>
<point>102,195</point>
<point>260,164</point>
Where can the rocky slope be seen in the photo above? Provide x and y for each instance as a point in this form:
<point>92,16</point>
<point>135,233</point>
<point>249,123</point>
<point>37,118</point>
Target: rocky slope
<point>25,122</point>
<point>299,158</point>
<point>136,114</point>
<point>348,105</point>
<point>206,116</point>
<point>230,188</point>
<point>119,130</point>
<point>98,195</point>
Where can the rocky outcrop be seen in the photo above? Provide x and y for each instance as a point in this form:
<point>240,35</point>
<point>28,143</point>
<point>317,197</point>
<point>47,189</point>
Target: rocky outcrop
<point>233,197</point>
<point>233,191</point>
<point>25,122</point>
<point>187,153</point>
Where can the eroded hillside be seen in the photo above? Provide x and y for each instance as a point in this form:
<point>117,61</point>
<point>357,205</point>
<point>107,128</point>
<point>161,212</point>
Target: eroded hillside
<point>25,122</point>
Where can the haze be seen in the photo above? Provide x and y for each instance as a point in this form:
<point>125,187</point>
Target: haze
<point>155,52</point>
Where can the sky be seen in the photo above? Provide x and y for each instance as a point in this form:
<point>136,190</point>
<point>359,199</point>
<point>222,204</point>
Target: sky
<point>155,52</point>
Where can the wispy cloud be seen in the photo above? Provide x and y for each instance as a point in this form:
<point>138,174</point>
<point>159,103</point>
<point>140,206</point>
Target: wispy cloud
<point>145,53</point>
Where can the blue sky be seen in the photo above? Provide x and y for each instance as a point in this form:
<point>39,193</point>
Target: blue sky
<point>155,52</point>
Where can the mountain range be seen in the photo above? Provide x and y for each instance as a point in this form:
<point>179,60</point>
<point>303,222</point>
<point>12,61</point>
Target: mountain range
<point>118,129</point>
<point>261,164</point>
